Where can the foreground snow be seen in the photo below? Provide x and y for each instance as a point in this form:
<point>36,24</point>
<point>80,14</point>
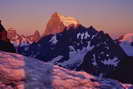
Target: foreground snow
<point>19,72</point>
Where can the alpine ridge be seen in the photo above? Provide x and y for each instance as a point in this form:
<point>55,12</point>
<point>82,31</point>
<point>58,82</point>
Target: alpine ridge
<point>21,40</point>
<point>80,48</point>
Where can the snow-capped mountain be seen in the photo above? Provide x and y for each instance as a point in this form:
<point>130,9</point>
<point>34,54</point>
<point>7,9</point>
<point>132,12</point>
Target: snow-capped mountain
<point>22,40</point>
<point>79,49</point>
<point>126,42</point>
<point>58,22</point>
<point>82,49</point>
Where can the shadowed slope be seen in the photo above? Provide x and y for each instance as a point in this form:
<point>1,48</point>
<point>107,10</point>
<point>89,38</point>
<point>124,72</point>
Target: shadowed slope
<point>19,72</point>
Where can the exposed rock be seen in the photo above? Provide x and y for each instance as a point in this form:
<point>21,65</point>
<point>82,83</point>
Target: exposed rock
<point>5,44</point>
<point>58,22</point>
<point>36,36</point>
<point>3,33</point>
<point>19,72</point>
<point>11,33</point>
<point>80,48</point>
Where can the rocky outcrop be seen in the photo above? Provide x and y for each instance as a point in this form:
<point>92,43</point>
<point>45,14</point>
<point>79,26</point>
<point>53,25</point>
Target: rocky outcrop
<point>5,44</point>
<point>19,72</point>
<point>36,36</point>
<point>58,23</point>
<point>3,33</point>
<point>11,34</point>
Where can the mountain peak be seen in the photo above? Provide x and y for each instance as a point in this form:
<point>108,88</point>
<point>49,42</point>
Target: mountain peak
<point>66,20</point>
<point>1,27</point>
<point>58,23</point>
<point>126,37</point>
<point>55,14</point>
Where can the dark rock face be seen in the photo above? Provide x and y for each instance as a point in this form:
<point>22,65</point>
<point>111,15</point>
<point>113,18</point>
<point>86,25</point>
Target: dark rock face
<point>131,43</point>
<point>108,59</point>
<point>5,44</point>
<point>104,56</point>
<point>3,33</point>
<point>81,49</point>
<point>124,73</point>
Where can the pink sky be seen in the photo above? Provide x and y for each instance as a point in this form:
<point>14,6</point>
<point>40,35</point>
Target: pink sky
<point>26,16</point>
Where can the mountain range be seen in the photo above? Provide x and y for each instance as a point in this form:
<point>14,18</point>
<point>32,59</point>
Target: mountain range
<point>69,44</point>
<point>76,47</point>
<point>22,40</point>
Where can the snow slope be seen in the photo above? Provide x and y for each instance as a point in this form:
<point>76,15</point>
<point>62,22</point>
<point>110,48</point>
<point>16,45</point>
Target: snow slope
<point>126,42</point>
<point>19,72</point>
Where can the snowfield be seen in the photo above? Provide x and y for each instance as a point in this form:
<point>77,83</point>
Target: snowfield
<point>20,72</point>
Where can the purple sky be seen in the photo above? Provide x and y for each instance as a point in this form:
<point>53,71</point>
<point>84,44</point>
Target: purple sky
<point>26,16</point>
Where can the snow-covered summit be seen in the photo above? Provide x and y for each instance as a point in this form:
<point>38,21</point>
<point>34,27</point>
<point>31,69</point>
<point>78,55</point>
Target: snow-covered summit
<point>58,22</point>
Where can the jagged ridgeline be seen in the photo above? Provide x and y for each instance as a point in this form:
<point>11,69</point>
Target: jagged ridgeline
<point>5,44</point>
<point>73,46</point>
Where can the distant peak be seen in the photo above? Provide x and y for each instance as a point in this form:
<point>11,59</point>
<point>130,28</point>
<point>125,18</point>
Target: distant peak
<point>91,27</point>
<point>66,20</point>
<point>55,14</point>
<point>126,37</point>
<point>59,22</point>
<point>37,31</point>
